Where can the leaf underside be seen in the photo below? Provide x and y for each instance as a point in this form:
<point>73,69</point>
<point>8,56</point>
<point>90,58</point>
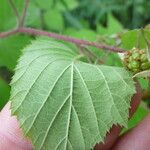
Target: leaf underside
<point>65,104</point>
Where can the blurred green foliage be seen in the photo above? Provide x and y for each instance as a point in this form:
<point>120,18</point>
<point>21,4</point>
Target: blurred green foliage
<point>4,92</point>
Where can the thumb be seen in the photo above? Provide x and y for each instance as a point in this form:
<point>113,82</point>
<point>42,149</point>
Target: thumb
<point>10,134</point>
<point>137,138</point>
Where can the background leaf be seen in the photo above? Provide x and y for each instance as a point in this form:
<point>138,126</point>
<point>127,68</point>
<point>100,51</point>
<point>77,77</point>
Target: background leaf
<point>4,93</point>
<point>113,26</point>
<point>54,22</point>
<point>63,103</point>
<point>7,17</point>
<point>10,50</point>
<point>134,38</point>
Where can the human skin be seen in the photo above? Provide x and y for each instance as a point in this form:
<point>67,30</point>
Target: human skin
<point>11,137</point>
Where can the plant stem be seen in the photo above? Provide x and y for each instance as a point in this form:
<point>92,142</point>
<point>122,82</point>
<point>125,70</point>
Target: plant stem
<point>32,31</point>
<point>69,39</point>
<point>8,33</point>
<point>76,41</point>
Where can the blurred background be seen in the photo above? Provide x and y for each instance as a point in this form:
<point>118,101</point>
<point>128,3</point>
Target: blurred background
<point>78,14</point>
<point>96,20</point>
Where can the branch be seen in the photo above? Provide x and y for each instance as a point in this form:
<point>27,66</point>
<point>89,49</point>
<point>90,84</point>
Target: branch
<point>69,39</point>
<point>22,18</point>
<point>75,41</point>
<point>32,31</point>
<point>8,33</point>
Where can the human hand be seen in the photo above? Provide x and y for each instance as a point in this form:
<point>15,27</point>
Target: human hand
<point>11,137</point>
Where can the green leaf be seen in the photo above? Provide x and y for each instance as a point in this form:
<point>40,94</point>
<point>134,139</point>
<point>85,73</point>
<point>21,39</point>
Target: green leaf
<point>33,16</point>
<point>7,17</point>
<point>85,34</point>
<point>10,50</point>
<point>4,93</point>
<point>113,26</point>
<point>44,4</point>
<point>134,38</point>
<point>63,103</point>
<point>143,83</point>
<point>54,20</point>
<point>66,5</point>
<point>72,4</point>
<point>132,35</point>
<point>72,20</point>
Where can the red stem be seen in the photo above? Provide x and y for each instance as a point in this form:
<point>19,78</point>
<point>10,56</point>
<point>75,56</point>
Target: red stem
<point>76,41</point>
<point>8,33</point>
<point>31,31</point>
<point>69,39</point>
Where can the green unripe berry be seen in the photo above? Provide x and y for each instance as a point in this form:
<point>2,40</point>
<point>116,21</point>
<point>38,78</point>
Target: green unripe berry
<point>135,64</point>
<point>136,60</point>
<point>136,70</point>
<point>136,56</point>
<point>145,65</point>
<point>144,58</point>
<point>130,59</point>
<point>142,51</point>
<point>135,50</point>
<point>129,66</point>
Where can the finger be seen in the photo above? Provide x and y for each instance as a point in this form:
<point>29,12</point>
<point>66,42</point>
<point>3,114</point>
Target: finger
<point>10,134</point>
<point>115,131</point>
<point>136,139</point>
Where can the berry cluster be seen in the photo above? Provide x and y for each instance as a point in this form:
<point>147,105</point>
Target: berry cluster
<point>136,60</point>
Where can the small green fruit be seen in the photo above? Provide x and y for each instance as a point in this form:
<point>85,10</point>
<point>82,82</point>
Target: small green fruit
<point>135,64</point>
<point>129,66</point>
<point>136,60</point>
<point>144,58</point>
<point>136,70</point>
<point>136,56</point>
<point>130,59</point>
<point>142,51</point>
<point>145,66</point>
